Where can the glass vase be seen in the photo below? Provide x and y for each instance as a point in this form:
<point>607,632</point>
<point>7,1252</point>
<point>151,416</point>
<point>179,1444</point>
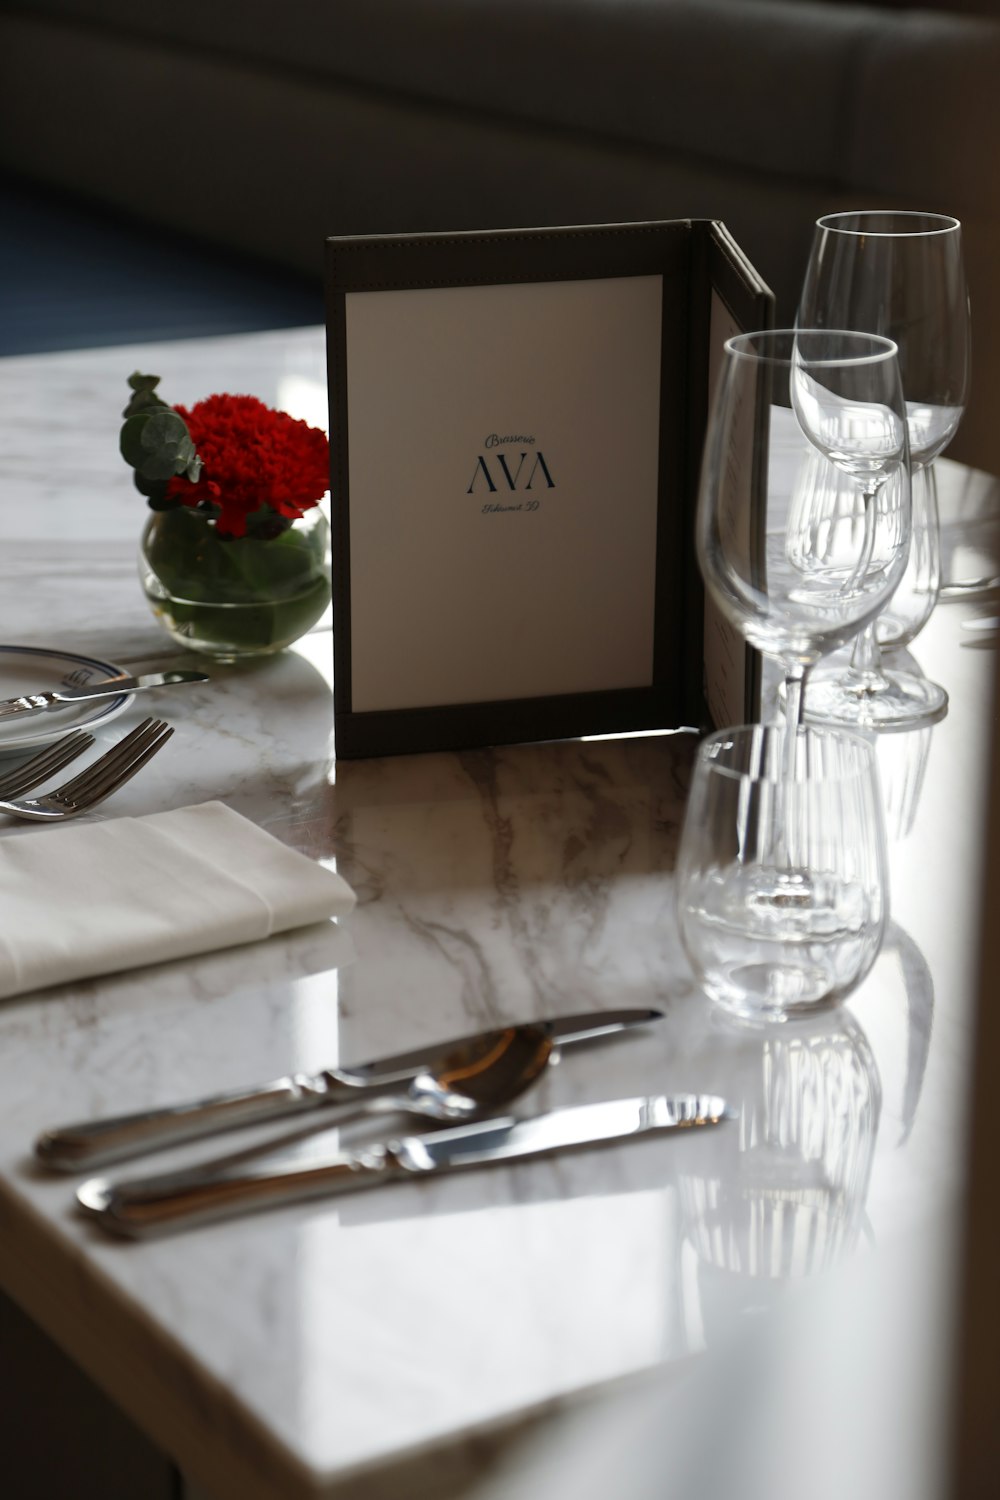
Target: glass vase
<point>235,597</point>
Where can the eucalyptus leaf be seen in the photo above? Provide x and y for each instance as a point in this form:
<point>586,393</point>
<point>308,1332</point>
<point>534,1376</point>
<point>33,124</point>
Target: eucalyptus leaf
<point>166,428</point>
<point>158,444</point>
<point>130,442</point>
<point>144,397</point>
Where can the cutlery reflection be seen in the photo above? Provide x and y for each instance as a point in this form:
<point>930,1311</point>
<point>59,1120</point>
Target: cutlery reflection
<point>217,1189</point>
<point>452,1080</point>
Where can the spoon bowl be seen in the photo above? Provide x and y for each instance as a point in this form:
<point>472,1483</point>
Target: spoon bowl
<point>467,1079</point>
<point>480,1076</point>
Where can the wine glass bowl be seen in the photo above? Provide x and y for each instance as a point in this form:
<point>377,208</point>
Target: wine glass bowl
<point>841,413</point>
<point>899,274</point>
<point>803,512</point>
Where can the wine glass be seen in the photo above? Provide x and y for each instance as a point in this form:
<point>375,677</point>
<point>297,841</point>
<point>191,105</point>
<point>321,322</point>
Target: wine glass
<point>762,945</point>
<point>802,524</point>
<point>899,274</point>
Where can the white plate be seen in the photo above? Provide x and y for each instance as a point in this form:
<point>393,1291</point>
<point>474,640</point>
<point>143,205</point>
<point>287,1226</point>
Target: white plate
<point>32,669</point>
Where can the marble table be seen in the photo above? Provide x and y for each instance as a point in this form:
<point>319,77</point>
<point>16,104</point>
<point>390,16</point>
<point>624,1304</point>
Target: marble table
<point>395,1344</point>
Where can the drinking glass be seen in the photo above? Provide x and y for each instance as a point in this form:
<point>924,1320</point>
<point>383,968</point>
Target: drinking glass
<point>781,879</point>
<point>899,274</point>
<point>802,525</point>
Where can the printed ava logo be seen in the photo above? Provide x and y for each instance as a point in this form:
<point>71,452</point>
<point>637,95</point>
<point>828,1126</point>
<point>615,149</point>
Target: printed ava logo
<point>506,474</point>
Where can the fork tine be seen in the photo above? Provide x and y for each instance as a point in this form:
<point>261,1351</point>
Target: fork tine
<point>31,773</point>
<point>102,778</point>
<point>123,772</point>
<point>117,753</point>
<point>101,773</point>
<point>129,770</point>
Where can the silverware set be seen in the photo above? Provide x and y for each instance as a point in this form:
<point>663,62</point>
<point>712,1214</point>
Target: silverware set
<point>103,776</point>
<point>100,779</point>
<point>145,1206</point>
<point>462,1084</point>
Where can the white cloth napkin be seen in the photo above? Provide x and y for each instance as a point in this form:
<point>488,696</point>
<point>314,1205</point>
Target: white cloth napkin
<point>97,898</point>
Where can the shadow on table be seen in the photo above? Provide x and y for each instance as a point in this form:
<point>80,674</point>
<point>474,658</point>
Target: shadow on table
<point>521,815</point>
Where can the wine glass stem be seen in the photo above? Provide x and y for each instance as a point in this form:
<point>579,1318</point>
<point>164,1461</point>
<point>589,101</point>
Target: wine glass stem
<point>794,680</point>
<point>866,659</point>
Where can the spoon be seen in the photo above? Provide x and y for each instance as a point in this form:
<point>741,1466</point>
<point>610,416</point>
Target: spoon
<point>468,1079</point>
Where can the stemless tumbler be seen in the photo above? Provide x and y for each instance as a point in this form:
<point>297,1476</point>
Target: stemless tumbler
<point>781,880</point>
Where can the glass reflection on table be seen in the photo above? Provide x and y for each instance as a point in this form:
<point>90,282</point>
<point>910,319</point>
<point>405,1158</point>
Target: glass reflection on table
<point>788,1200</point>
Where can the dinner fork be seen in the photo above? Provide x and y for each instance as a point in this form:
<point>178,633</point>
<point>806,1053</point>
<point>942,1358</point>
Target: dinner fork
<point>102,777</point>
<point>31,773</point>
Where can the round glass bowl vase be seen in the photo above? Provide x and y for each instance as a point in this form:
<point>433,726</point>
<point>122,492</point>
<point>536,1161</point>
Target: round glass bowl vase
<point>237,597</point>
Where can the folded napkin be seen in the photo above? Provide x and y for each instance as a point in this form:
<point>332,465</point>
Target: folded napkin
<point>95,898</point>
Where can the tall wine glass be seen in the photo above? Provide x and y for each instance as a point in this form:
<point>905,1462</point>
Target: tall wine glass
<point>900,275</point>
<point>802,535</point>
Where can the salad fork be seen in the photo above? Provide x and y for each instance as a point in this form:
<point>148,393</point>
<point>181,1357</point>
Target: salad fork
<point>31,773</point>
<point>102,777</point>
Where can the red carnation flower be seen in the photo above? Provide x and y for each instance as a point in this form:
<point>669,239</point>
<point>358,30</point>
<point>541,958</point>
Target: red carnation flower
<point>252,457</point>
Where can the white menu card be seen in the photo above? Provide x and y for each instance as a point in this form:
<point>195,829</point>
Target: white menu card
<point>503,528</point>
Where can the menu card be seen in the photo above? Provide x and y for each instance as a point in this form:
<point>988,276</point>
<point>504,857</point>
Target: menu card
<point>516,430</point>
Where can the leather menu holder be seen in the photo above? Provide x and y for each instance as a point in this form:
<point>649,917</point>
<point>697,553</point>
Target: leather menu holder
<point>517,419</point>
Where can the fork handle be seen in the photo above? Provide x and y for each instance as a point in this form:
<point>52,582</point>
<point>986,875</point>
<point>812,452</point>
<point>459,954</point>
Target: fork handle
<point>68,1148</point>
<point>31,703</point>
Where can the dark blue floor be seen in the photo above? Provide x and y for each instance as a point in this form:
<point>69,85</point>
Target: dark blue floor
<point>74,276</point>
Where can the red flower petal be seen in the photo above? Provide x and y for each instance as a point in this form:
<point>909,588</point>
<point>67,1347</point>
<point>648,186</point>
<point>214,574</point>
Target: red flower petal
<point>253,456</point>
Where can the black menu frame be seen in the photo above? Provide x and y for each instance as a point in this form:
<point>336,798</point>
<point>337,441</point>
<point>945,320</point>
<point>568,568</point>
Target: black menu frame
<point>698,261</point>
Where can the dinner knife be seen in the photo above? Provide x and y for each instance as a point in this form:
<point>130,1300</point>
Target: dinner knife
<point>109,687</point>
<point>90,1143</point>
<point>144,1206</point>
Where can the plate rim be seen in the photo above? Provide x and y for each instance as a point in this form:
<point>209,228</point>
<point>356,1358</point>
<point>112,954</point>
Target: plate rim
<point>109,708</point>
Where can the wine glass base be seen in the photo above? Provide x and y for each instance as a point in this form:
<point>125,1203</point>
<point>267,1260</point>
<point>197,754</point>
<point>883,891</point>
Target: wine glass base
<point>886,700</point>
<point>767,994</point>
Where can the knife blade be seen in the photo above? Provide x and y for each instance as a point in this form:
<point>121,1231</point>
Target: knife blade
<point>110,687</point>
<point>145,1206</point>
<point>90,1143</point>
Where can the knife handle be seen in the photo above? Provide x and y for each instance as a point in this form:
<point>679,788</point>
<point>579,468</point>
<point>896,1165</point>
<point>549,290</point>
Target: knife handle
<point>31,703</point>
<point>92,1143</point>
<point>147,1205</point>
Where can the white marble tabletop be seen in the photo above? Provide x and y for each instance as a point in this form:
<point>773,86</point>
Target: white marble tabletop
<point>377,1344</point>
